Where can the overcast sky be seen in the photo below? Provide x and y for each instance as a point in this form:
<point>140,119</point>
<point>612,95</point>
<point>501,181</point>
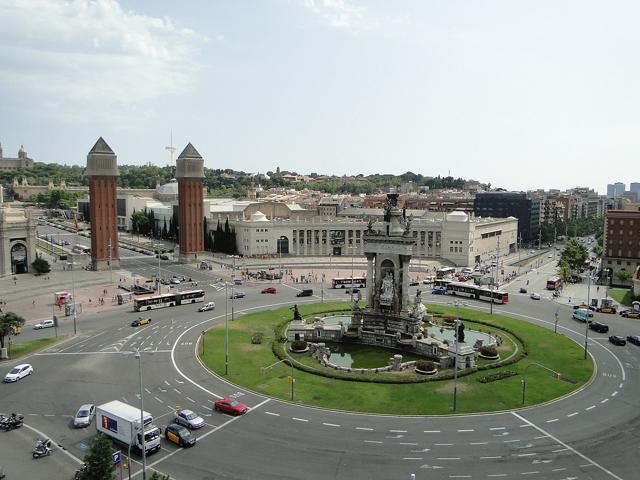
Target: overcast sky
<point>521,94</point>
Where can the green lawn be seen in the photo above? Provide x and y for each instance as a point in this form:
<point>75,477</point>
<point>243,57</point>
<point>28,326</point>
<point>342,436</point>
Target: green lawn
<point>624,296</point>
<point>247,362</point>
<point>19,349</point>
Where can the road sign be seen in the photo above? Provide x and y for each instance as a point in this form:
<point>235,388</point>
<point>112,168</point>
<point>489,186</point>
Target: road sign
<point>117,457</point>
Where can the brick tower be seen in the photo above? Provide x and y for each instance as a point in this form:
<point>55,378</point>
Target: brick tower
<point>189,173</point>
<point>102,171</point>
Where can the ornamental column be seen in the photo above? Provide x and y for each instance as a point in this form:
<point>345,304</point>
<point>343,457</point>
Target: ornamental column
<point>189,173</point>
<point>370,278</point>
<point>102,171</point>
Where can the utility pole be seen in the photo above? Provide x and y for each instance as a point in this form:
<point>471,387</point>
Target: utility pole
<point>110,269</point>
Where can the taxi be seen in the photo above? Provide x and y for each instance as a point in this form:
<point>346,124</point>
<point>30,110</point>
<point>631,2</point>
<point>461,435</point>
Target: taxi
<point>140,321</point>
<point>179,435</point>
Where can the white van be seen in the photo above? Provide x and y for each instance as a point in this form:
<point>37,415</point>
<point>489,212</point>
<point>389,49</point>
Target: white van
<point>582,314</point>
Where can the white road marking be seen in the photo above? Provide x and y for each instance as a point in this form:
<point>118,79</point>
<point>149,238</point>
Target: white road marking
<point>620,386</point>
<point>479,443</point>
<point>559,450</point>
<point>448,458</point>
<point>528,473</point>
<point>167,383</point>
<point>572,414</point>
<point>177,391</point>
<point>552,420</point>
<point>576,452</point>
<point>539,437</point>
<point>431,431</point>
<point>497,428</point>
<point>443,444</point>
<point>366,429</point>
<point>467,430</point>
<point>614,393</point>
<point>330,424</point>
<point>272,414</point>
<point>559,469</point>
<point>459,476</point>
<point>526,454</point>
<point>497,475</point>
<point>511,441</point>
<point>190,399</point>
<point>158,399</point>
<point>300,419</point>
<point>591,407</point>
<point>412,458</point>
<point>397,431</point>
<point>408,443</point>
<point>373,441</point>
<point>604,400</point>
<point>491,458</point>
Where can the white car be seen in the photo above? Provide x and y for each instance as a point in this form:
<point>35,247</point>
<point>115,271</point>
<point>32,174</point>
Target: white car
<point>84,416</point>
<point>188,419</point>
<point>207,306</point>
<point>44,324</point>
<point>535,296</point>
<point>175,281</point>
<point>18,372</point>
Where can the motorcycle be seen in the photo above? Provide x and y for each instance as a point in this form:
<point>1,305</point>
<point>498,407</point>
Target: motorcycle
<point>4,422</point>
<point>80,471</point>
<point>42,448</point>
<point>14,421</point>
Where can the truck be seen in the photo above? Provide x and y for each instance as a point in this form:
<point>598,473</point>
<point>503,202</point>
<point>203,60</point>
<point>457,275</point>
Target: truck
<point>121,423</point>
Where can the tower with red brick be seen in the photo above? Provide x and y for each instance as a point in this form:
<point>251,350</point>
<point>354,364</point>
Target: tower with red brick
<point>189,173</point>
<point>102,171</point>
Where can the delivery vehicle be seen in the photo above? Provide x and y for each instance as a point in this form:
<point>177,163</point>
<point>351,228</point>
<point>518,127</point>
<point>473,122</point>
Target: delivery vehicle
<point>121,423</point>
<point>582,315</point>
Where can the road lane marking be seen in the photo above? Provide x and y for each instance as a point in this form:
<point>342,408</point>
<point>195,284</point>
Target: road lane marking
<point>573,450</point>
<point>158,399</point>
<point>397,431</point>
<point>614,393</point>
<point>190,399</point>
<point>272,414</point>
<point>431,431</point>
<point>177,391</point>
<point>528,473</point>
<point>373,441</point>
<point>479,443</point>
<point>591,407</point>
<point>559,450</point>
<point>497,475</point>
<point>491,458</point>
<point>572,414</point>
<point>448,458</point>
<point>511,441</point>
<point>443,444</point>
<point>366,429</point>
<point>497,428</point>
<point>299,419</point>
<point>526,454</point>
<point>604,400</point>
<point>330,424</point>
<point>412,458</point>
<point>467,430</point>
<point>409,443</point>
<point>552,420</point>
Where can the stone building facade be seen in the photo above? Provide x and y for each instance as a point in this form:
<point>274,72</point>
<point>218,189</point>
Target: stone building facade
<point>17,240</point>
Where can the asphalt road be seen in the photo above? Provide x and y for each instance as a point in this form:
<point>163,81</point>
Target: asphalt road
<point>591,434</point>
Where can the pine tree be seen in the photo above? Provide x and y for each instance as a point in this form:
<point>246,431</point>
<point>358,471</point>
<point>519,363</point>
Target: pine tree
<point>205,234</point>
<point>164,229</point>
<point>99,460</point>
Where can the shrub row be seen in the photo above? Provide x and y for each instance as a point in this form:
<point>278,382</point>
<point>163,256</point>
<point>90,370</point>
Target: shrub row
<point>497,376</point>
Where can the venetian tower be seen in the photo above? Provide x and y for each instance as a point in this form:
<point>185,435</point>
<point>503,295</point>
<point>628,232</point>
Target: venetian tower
<point>189,173</point>
<point>102,171</point>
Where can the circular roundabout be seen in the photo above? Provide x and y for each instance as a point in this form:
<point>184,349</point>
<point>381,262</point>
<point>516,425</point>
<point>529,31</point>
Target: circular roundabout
<point>527,365</point>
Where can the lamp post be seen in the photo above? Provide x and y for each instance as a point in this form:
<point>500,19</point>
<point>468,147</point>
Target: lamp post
<point>586,323</point>
<point>73,293</point>
<point>144,453</point>
<point>157,248</point>
<point>555,327</point>
<point>455,361</point>
<point>202,337</point>
<point>352,247</point>
<point>226,329</point>
<point>290,362</point>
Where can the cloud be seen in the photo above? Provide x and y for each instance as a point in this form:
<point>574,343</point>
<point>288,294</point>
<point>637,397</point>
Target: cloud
<point>341,14</point>
<point>75,56</point>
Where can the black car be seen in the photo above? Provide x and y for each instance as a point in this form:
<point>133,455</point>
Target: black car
<point>617,340</point>
<point>305,292</point>
<point>413,283</point>
<point>179,435</point>
<point>635,339</point>
<point>523,290</point>
<point>599,327</point>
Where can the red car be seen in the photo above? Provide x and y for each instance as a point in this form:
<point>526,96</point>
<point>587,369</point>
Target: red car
<point>230,406</point>
<point>269,290</point>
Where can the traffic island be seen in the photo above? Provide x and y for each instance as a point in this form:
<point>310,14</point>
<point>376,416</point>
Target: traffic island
<point>266,367</point>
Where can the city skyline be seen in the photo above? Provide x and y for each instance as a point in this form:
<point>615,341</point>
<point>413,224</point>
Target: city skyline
<point>483,91</point>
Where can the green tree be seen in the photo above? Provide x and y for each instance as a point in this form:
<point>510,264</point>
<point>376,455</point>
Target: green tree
<point>10,324</point>
<point>140,223</point>
<point>40,265</point>
<point>574,254</point>
<point>99,460</point>
<point>159,476</point>
<point>623,275</point>
<point>564,271</point>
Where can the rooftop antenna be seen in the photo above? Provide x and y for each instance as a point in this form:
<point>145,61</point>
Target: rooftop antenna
<point>171,148</point>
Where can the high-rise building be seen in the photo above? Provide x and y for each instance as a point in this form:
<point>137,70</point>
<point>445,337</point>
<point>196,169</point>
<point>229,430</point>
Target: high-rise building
<point>634,187</point>
<point>621,244</point>
<point>526,208</point>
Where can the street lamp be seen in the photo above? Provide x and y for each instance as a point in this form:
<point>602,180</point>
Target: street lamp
<point>144,452</point>
<point>586,323</point>
<point>290,362</point>
<point>455,361</point>
<point>202,337</point>
<point>73,293</point>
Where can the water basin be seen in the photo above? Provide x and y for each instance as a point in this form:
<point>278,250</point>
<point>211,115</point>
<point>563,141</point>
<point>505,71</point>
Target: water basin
<point>470,336</point>
<point>364,356</point>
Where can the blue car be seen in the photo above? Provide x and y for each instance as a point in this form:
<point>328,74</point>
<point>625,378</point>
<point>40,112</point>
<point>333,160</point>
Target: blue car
<point>438,291</point>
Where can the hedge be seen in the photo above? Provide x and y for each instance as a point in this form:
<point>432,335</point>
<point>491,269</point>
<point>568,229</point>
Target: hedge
<point>497,376</point>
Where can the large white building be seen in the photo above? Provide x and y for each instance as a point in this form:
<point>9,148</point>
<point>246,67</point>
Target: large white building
<point>454,237</point>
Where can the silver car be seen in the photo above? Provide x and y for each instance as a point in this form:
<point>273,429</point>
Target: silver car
<point>189,419</point>
<point>84,415</point>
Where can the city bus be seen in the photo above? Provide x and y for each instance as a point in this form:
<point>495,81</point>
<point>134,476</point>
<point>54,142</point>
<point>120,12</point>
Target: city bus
<point>445,271</point>
<point>553,283</point>
<point>168,300</point>
<point>476,292</point>
<point>340,282</point>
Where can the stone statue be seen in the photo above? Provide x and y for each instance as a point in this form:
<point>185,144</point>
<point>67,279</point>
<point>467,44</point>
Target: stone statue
<point>296,313</point>
<point>386,292</point>
<point>418,311</point>
<point>370,226</point>
<point>407,225</point>
<point>461,332</point>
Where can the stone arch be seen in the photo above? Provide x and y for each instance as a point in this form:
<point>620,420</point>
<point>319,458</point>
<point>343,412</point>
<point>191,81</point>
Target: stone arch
<point>19,258</point>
